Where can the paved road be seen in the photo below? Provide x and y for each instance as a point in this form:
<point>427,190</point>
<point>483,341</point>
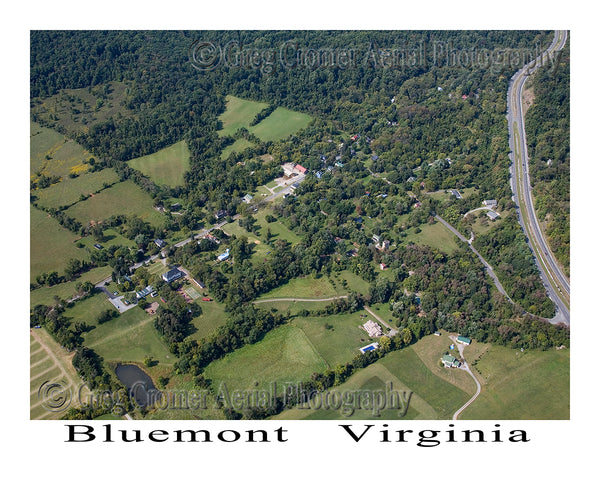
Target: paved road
<point>488,267</point>
<point>556,283</point>
<point>460,347</point>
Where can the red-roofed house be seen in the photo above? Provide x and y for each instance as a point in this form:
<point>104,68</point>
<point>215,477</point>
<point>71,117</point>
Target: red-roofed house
<point>300,168</point>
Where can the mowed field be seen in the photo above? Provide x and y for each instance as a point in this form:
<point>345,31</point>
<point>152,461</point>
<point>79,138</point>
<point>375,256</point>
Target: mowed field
<point>530,385</point>
<point>69,190</point>
<point>122,198</point>
<point>50,364</point>
<point>51,245</point>
<point>283,355</point>
<point>165,167</point>
<point>128,338</point>
<point>239,113</point>
<point>435,235</point>
<point>280,124</point>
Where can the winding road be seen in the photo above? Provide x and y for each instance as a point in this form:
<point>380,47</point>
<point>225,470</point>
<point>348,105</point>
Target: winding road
<point>554,280</point>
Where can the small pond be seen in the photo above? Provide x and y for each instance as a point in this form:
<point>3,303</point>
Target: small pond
<point>141,389</point>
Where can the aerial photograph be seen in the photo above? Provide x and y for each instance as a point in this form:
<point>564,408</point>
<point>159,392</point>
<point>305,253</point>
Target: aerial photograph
<point>274,225</point>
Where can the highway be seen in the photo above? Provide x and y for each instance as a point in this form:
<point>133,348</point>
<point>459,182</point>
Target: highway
<point>555,282</point>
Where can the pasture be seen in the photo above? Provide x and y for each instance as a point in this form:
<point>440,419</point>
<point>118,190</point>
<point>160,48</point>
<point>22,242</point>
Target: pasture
<point>129,338</point>
<point>213,316</point>
<point>239,113</point>
<point>283,355</point>
<point>304,287</point>
<point>51,245</point>
<point>52,154</point>
<point>69,190</point>
<point>435,235</point>
<point>238,146</point>
<point>165,167</point>
<point>529,385</point>
<point>122,198</point>
<point>280,124</point>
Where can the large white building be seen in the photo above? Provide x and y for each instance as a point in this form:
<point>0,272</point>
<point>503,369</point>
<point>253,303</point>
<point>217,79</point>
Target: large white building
<point>373,329</point>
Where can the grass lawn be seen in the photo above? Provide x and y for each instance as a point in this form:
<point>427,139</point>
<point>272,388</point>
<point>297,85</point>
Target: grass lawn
<point>129,338</point>
<point>53,154</point>
<point>338,344</point>
<point>435,235</point>
<point>69,190</point>
<point>87,310</point>
<point>530,385</point>
<point>278,229</point>
<point>213,316</point>
<point>165,167</point>
<point>65,291</point>
<point>280,124</point>
<point>50,244</point>
<point>283,355</point>
<point>122,198</point>
<point>49,363</point>
<point>304,287</point>
<point>238,146</point>
<point>239,113</point>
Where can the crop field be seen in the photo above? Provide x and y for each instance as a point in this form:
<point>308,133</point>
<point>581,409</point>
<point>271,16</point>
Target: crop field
<point>51,245</point>
<point>53,154</point>
<point>128,338</point>
<point>283,355</point>
<point>239,113</point>
<point>49,363</point>
<point>122,198</point>
<point>165,167</point>
<point>69,190</point>
<point>280,124</point>
<point>529,385</point>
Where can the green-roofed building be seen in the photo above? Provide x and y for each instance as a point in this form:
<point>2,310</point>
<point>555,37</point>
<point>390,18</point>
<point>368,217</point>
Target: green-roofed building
<point>450,362</point>
<point>465,340</point>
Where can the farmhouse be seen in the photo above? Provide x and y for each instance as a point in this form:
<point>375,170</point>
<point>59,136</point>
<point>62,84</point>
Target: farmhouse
<point>456,194</point>
<point>160,243</point>
<point>465,340</point>
<point>450,362</point>
<point>172,275</point>
<point>247,198</point>
<point>373,329</point>
<point>299,168</point>
<point>220,214</point>
<point>490,203</point>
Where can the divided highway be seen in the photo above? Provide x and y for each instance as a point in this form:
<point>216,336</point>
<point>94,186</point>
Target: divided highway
<point>556,283</point>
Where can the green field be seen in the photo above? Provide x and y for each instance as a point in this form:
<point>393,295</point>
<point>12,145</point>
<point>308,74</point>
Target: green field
<point>530,385</point>
<point>65,291</point>
<point>213,316</point>
<point>340,343</point>
<point>238,146</point>
<point>69,190</point>
<point>239,113</point>
<point>129,338</point>
<point>304,287</point>
<point>283,355</point>
<point>53,154</point>
<point>278,229</point>
<point>87,310</point>
<point>165,167</point>
<point>122,198</point>
<point>51,245</point>
<point>435,235</point>
<point>280,124</point>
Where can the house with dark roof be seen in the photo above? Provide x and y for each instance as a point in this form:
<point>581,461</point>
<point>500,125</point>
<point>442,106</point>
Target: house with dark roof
<point>172,275</point>
<point>160,243</point>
